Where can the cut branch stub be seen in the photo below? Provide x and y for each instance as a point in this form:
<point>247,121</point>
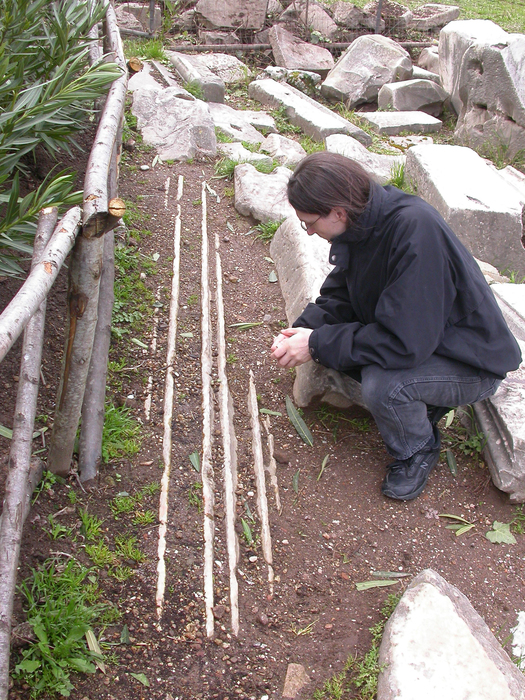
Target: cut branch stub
<point>135,65</point>
<point>101,222</point>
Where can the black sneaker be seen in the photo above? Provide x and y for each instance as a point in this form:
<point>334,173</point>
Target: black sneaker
<point>406,478</point>
<point>436,413</point>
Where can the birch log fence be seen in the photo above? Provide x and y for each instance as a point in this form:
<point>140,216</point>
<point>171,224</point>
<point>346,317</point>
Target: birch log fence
<point>84,232</point>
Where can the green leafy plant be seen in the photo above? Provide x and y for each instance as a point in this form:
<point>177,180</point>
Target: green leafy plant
<point>150,49</point>
<point>100,554</point>
<point>57,530</point>
<point>266,230</point>
<point>91,525</point>
<point>121,433</point>
<point>126,547</point>
<point>46,95</point>
<point>194,498</point>
<point>143,518</point>
<point>194,88</point>
<point>60,614</point>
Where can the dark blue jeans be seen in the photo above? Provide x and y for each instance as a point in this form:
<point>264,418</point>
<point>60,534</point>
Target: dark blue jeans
<point>398,398</point>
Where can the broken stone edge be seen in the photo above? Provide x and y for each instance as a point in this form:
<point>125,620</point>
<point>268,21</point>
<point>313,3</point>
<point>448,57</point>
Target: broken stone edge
<point>470,617</point>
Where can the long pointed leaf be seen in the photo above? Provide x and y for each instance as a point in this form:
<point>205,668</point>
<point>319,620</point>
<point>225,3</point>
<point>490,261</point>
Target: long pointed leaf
<point>298,423</point>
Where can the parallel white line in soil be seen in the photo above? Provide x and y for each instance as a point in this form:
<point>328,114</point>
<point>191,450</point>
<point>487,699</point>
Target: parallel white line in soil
<point>166,192</point>
<point>168,409</point>
<point>152,352</point>
<point>208,487</point>
<point>229,447</point>
<point>258,465</point>
<point>272,464</point>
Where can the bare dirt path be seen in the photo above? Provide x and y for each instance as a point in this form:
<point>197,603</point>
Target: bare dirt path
<point>334,529</point>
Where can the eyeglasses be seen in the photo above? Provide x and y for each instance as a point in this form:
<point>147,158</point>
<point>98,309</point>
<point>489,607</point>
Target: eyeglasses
<point>306,226</point>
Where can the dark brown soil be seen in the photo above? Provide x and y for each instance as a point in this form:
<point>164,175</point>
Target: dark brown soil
<point>335,528</point>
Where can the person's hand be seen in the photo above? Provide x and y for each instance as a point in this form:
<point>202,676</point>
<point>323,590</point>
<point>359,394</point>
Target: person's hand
<point>290,347</point>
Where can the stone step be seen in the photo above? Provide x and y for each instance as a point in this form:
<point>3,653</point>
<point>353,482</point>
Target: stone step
<point>395,123</point>
<point>482,209</point>
<point>381,167</point>
<point>314,119</point>
<point>437,647</point>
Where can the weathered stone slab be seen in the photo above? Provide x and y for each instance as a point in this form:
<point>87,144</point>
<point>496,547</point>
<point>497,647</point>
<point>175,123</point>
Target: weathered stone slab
<point>143,78</point>
<point>227,67</point>
<point>302,266</point>
<point>179,128</point>
<point>285,151</point>
<point>369,63</point>
<point>429,59</point>
<point>502,416</point>
<point>422,74</point>
<point>261,195</point>
<point>232,14</point>
<point>380,166</point>
<point>491,89</point>
<point>318,20</point>
<point>191,70</point>
<point>436,646</point>
<point>481,208</point>
<point>433,16</point>
<point>394,123</point>
<point>314,119</point>
<point>413,95</point>
<point>352,17</point>
<point>127,20</point>
<point>141,13</point>
<point>454,40</point>
<point>234,123</point>
<point>260,120</point>
<point>292,53</point>
<point>237,152</point>
<point>217,38</point>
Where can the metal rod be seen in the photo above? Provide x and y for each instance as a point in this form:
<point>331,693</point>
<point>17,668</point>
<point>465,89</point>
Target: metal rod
<point>226,48</point>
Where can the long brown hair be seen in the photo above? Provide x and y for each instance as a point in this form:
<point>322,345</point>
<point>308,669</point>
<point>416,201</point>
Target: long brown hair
<point>325,180</point>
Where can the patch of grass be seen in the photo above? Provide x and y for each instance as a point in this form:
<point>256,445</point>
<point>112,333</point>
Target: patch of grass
<point>518,521</point>
<point>148,490</point>
<point>149,49</point>
<point>60,614</point>
<point>330,418</point>
<point>100,554</point>
<point>192,299</point>
<point>122,504</point>
<point>57,531</point>
<point>283,123</point>
<point>121,433</point>
<point>231,359</point>
<point>126,547</point>
<point>311,146</point>
<point>513,276</point>
<point>148,517</point>
<point>266,230</point>
<point>229,192</point>
<point>359,676</point>
<point>121,573</point>
<point>222,137</point>
<point>194,88</point>
<point>194,498</point>
<point>91,525</point>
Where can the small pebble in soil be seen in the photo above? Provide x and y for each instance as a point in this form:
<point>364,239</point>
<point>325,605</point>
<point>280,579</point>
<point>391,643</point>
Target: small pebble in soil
<point>144,167</point>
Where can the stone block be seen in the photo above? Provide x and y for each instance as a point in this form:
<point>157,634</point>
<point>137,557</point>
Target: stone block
<point>217,38</point>
<point>413,95</point>
<point>436,646</point>
<point>394,123</point>
<point>262,195</point>
<point>491,91</point>
<point>369,63</point>
<point>404,142</point>
<point>381,167</point>
<point>313,118</point>
<point>396,17</point>
<point>296,679</point>
<point>425,18</point>
<point>302,265</point>
<point>143,79</point>
<point>227,67</point>
<point>292,53</point>
<point>502,417</point>
<point>232,14</point>
<point>477,203</point>
<point>422,74</point>
<point>179,128</point>
<point>429,59</point>
<point>234,123</point>
<point>318,20</point>
<point>352,17</point>
<point>237,152</point>
<point>141,13</point>
<point>454,40</point>
<point>285,151</point>
<point>192,70</point>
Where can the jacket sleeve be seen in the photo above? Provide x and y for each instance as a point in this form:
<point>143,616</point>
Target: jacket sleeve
<point>412,310</point>
<point>331,307</point>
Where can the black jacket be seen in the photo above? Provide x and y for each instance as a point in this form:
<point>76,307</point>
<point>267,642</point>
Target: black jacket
<point>404,288</point>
